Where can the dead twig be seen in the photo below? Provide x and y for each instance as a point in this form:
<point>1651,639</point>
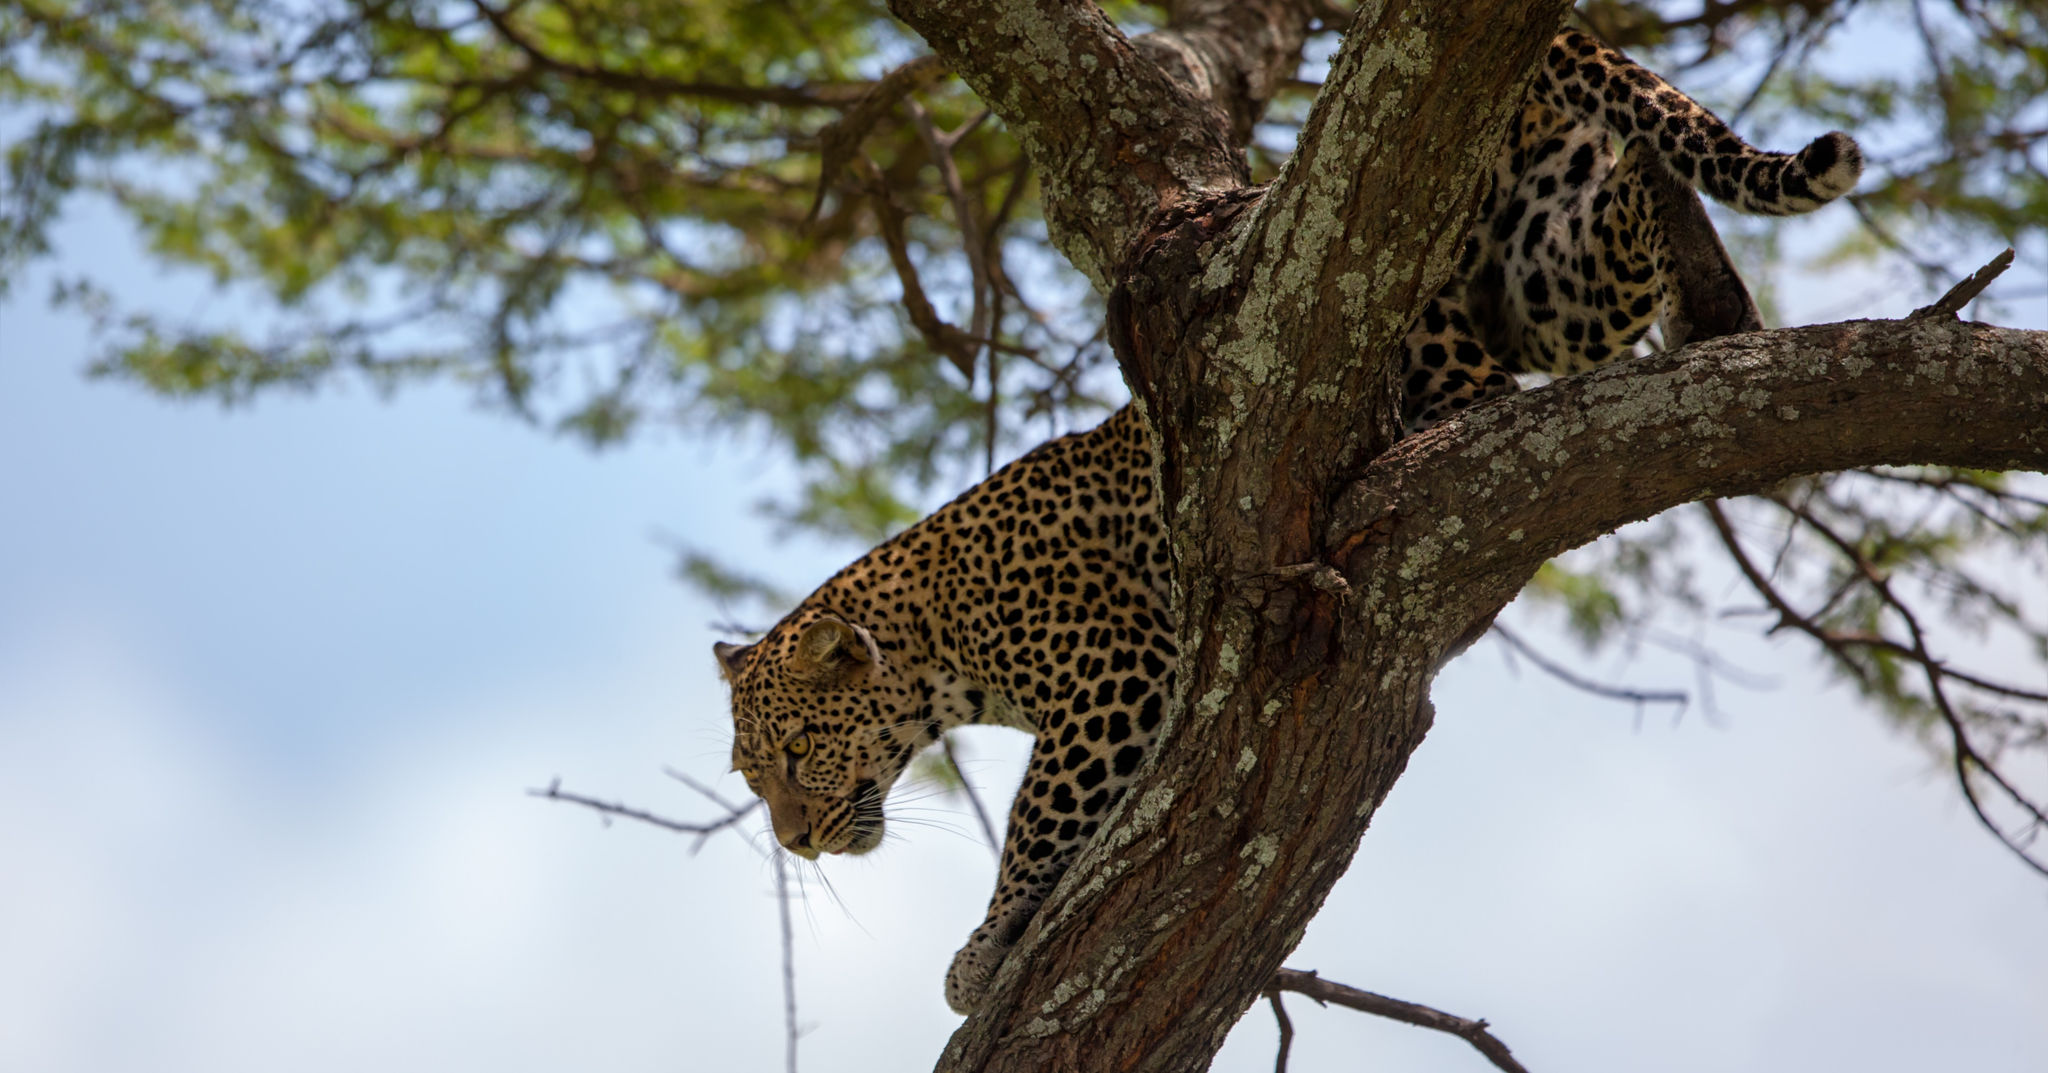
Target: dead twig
<point>734,813</point>
<point>1639,697</point>
<point>1968,761</point>
<point>1409,1013</point>
<point>988,830</point>
<point>788,961</point>
<point>1965,756</point>
<point>1286,1030</point>
<point>1962,294</point>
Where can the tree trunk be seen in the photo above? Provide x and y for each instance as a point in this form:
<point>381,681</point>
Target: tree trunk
<point>1323,571</point>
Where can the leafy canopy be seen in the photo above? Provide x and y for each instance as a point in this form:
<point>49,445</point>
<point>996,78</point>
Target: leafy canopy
<point>782,217</point>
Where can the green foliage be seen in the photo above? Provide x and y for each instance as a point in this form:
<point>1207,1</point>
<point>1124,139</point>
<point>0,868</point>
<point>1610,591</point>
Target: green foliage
<point>603,214</point>
<point>613,215</point>
<point>780,219</point>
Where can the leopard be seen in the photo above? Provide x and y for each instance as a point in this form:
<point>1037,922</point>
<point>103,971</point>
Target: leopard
<point>1566,266</point>
<point>1040,598</point>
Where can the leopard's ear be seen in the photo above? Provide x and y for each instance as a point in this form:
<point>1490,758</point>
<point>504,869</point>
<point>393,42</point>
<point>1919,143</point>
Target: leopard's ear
<point>731,658</point>
<point>830,650</point>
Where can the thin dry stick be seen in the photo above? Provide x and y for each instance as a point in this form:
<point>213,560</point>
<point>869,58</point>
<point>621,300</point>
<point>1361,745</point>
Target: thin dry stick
<point>1962,294</point>
<point>788,958</point>
<point>734,814</point>
<point>840,141</point>
<point>1569,677</point>
<point>964,216</point>
<point>1286,1030</point>
<point>988,830</point>
<point>1327,991</point>
<point>980,322</point>
<point>1966,758</point>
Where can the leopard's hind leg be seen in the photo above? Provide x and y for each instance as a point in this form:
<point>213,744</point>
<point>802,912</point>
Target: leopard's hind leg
<point>1447,369</point>
<point>1581,291</point>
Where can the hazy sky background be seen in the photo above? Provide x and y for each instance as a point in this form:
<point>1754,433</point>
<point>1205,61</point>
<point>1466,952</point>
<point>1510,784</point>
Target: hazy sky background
<point>273,683</point>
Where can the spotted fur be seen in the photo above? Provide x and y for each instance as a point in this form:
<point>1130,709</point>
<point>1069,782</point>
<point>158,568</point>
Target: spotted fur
<point>1038,599</point>
<point>1566,267</point>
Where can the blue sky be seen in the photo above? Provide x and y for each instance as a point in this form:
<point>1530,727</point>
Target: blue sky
<point>273,683</point>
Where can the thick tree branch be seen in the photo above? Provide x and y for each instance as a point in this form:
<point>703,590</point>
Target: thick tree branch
<point>1117,128</point>
<point>1327,269</point>
<point>1259,326</point>
<point>1483,501</point>
<point>1174,919</point>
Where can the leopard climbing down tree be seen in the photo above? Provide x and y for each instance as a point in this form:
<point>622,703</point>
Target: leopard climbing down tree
<point>1038,599</point>
<point>1035,600</point>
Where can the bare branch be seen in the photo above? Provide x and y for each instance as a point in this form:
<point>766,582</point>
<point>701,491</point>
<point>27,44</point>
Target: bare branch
<point>554,792</point>
<point>840,141</point>
<point>958,346</point>
<point>781,865</point>
<point>1962,294</point>
<point>1967,759</point>
<point>1577,681</point>
<point>1327,991</point>
<point>1121,128</point>
<point>1286,1030</point>
<point>988,830</point>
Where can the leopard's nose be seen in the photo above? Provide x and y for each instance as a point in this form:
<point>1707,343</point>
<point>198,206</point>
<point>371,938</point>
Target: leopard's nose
<point>801,846</point>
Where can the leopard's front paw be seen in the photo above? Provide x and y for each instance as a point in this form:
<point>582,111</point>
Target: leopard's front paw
<point>976,963</point>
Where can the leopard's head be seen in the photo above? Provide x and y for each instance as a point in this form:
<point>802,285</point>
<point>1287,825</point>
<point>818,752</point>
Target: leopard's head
<point>822,726</point>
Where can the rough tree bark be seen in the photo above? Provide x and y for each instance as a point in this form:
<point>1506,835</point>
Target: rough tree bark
<point>1322,577</point>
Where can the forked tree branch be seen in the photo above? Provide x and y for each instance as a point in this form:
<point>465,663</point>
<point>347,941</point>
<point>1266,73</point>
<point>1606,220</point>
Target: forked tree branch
<point>1968,761</point>
<point>1118,128</point>
<point>1259,328</point>
<point>733,815</point>
<point>1328,991</point>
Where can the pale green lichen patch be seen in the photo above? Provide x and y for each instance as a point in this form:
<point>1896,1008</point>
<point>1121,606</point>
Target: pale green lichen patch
<point>1041,1027</point>
<point>1258,855</point>
<point>1212,702</point>
<point>1246,761</point>
<point>1063,992</point>
<point>1150,810</point>
<point>1420,559</point>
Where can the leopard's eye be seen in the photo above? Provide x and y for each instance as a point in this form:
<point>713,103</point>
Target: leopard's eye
<point>799,745</point>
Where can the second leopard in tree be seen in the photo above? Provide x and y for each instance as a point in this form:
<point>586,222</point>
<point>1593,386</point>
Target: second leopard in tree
<point>1567,265</point>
